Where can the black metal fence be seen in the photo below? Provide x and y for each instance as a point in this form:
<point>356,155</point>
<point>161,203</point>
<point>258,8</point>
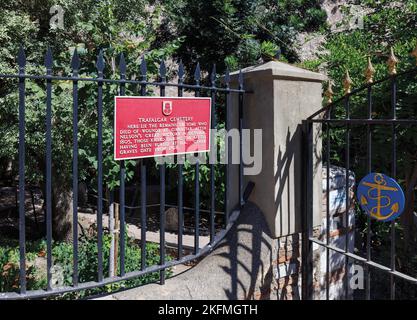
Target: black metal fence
<point>350,134</point>
<point>213,89</point>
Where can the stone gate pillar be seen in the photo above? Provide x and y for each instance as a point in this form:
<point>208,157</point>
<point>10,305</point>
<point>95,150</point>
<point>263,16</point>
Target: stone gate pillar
<point>281,97</point>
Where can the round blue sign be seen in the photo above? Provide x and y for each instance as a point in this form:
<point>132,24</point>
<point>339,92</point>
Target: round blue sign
<point>381,197</point>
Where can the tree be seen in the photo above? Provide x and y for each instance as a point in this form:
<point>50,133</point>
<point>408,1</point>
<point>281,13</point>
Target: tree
<point>114,26</point>
<point>233,32</point>
<point>237,33</point>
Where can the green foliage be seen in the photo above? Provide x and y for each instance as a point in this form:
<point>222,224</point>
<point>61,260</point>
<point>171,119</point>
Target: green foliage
<point>269,49</point>
<point>88,26</point>
<point>9,267</point>
<point>62,254</point>
<point>238,32</point>
<point>205,176</point>
<point>313,65</point>
<point>348,50</point>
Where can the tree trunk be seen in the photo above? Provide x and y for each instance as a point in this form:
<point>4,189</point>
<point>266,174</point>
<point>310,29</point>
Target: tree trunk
<point>61,202</point>
<point>61,212</point>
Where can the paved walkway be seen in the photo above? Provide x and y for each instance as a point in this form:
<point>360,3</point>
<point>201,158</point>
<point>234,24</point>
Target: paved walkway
<point>239,268</point>
<point>134,231</point>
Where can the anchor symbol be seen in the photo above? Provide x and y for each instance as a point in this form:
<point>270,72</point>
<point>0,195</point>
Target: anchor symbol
<point>379,186</point>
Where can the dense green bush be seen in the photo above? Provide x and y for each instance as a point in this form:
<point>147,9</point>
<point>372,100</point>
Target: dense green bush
<point>9,267</point>
<point>237,32</point>
<point>62,254</point>
<point>89,26</point>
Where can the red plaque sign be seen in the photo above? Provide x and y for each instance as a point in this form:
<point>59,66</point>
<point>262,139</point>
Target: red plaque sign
<point>159,126</point>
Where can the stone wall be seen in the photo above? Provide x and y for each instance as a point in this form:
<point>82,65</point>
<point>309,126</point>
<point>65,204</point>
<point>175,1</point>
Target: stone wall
<point>288,269</point>
<point>337,237</point>
<point>287,280</point>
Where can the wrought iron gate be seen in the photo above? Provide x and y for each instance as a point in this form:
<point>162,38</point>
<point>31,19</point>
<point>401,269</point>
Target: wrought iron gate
<point>216,233</point>
<point>352,129</point>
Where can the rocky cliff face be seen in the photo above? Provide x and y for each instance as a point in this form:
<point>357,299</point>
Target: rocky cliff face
<point>341,15</point>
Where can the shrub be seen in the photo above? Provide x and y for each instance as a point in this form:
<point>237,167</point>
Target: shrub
<point>62,254</point>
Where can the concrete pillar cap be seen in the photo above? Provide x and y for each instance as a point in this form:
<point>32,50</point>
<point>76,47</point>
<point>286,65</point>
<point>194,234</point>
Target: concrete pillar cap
<point>279,70</point>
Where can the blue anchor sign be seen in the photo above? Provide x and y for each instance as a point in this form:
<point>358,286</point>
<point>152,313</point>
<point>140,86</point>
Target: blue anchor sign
<point>381,197</point>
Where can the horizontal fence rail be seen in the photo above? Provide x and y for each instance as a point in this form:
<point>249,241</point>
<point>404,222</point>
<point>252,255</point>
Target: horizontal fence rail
<point>216,233</point>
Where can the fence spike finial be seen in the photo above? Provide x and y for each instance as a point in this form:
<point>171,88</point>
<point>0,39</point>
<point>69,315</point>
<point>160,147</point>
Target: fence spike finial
<point>369,72</point>
<point>181,71</point>
<point>197,73</point>
<point>329,92</point>
<point>100,61</point>
<point>347,83</point>
<point>414,53</point>
<point>122,64</point>
<point>75,61</point>
<point>21,57</point>
<point>48,58</point>
<point>392,62</point>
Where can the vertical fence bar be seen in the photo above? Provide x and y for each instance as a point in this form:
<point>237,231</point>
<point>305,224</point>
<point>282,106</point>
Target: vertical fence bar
<point>100,68</point>
<point>197,75</point>
<point>227,146</point>
<point>394,174</point>
<point>369,169</point>
<point>240,80</point>
<point>162,223</point>
<point>22,225</point>
<point>75,65</point>
<point>112,271</point>
<point>347,203</point>
<point>328,204</point>
<point>122,69</point>
<point>197,208</point>
<point>213,148</point>
<point>143,214</point>
<point>162,167</point>
<point>122,217</point>
<point>307,249</point>
<point>180,210</point>
<point>143,70</point>
<point>180,173</point>
<point>48,64</point>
